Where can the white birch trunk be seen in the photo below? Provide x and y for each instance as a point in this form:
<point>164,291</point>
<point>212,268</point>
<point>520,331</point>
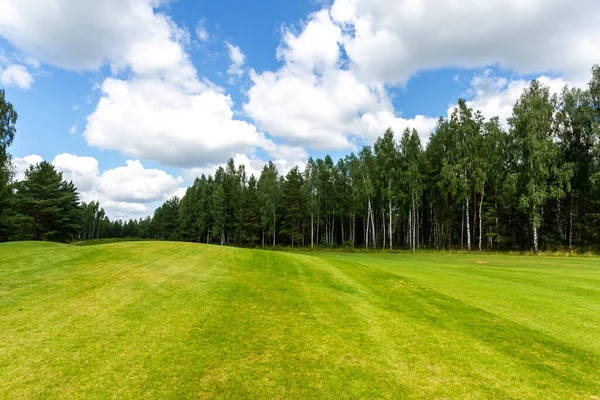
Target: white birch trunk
<point>468,226</point>
<point>390,227</point>
<point>367,230</point>
<point>480,222</point>
<point>383,226</point>
<point>312,229</point>
<point>372,225</point>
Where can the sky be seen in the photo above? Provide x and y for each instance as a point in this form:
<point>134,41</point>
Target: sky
<point>133,99</point>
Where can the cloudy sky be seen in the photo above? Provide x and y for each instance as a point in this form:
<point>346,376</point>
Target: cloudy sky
<point>132,99</point>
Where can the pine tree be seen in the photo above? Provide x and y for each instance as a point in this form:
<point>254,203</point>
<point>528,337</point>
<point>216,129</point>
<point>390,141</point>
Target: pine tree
<point>291,202</point>
<point>268,189</point>
<point>47,208</point>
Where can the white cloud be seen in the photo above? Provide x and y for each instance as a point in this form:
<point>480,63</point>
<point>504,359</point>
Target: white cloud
<point>73,129</point>
<point>135,184</point>
<point>163,111</point>
<point>315,47</point>
<point>379,122</point>
<point>254,165</point>
<point>83,171</point>
<point>390,40</point>
<point>496,96</point>
<point>84,35</point>
<point>158,120</point>
<point>22,163</point>
<point>331,90</point>
<point>314,101</point>
<point>130,191</point>
<point>201,31</point>
<point>238,59</point>
<point>15,75</point>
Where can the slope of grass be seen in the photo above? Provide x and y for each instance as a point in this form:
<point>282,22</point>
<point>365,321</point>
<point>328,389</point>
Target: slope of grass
<point>177,320</point>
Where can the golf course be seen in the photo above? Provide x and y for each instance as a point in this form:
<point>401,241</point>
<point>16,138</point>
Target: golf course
<point>180,320</point>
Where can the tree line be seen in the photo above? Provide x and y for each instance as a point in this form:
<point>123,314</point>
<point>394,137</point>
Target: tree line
<point>476,184</point>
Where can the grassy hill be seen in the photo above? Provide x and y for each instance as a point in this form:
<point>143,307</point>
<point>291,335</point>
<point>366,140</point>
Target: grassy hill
<point>177,320</point>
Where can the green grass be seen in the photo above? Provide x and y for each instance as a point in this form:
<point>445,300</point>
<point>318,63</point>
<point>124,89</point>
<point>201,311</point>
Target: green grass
<point>93,242</point>
<point>177,320</point>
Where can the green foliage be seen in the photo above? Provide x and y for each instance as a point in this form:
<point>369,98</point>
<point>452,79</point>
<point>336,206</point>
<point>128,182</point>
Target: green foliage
<point>474,185</point>
<point>46,207</point>
<point>269,192</point>
<point>8,119</point>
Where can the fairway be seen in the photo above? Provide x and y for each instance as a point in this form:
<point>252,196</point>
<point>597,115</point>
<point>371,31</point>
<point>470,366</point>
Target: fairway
<point>178,320</point>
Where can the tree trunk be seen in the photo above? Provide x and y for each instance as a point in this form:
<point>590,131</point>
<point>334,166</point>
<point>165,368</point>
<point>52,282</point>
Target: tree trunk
<point>571,223</point>
<point>367,230</point>
<point>409,230</point>
<point>353,230</point>
<point>480,220</point>
<point>390,226</point>
<point>372,225</point>
<point>462,227</point>
<point>333,229</point>
<point>535,238</point>
<point>450,228</point>
<point>312,229</point>
<point>414,224</point>
<point>497,219</point>
<point>274,229</point>
<point>383,226</point>
<point>468,228</point>
<point>474,213</point>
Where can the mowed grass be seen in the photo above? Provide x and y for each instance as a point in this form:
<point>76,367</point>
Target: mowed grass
<point>177,320</point>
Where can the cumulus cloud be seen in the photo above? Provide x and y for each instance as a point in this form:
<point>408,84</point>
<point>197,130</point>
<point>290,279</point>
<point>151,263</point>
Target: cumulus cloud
<point>163,111</point>
<point>390,40</point>
<point>156,120</point>
<point>22,163</point>
<point>129,191</point>
<point>253,165</point>
<point>331,90</point>
<point>495,96</point>
<point>15,75</point>
<point>83,35</point>
<point>314,101</point>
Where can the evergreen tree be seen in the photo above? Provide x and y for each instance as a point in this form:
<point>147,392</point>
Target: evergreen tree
<point>47,208</point>
<point>291,201</point>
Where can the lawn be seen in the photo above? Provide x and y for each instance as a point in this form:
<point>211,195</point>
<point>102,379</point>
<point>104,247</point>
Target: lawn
<point>177,320</point>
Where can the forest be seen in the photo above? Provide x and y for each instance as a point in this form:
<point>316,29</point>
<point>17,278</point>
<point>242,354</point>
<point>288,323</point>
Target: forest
<point>532,183</point>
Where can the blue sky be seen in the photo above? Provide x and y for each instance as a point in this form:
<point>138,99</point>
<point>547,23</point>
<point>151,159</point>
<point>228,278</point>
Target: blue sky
<point>132,99</point>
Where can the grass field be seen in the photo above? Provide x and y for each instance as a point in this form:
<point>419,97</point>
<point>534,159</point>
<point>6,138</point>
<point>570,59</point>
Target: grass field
<point>176,320</point>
